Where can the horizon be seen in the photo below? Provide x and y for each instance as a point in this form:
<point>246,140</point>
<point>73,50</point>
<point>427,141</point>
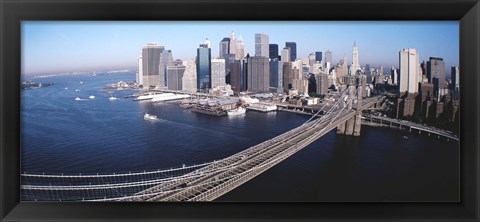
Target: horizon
<point>54,47</point>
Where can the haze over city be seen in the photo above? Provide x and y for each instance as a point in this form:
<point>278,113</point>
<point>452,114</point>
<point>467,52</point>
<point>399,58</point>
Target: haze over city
<point>56,47</point>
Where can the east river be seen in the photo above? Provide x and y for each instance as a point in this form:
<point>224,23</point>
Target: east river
<point>62,135</point>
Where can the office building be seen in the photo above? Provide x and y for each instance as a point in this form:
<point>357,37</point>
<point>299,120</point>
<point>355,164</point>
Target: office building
<point>287,75</point>
<point>258,72</point>
<point>175,77</point>
<point>285,56</point>
<point>189,80</point>
<point>318,56</point>
<point>355,64</point>
<point>276,76</point>
<point>166,59</point>
<point>236,76</point>
<point>455,85</point>
<point>409,67</point>
<point>233,44</point>
<point>293,50</point>
<point>203,64</point>
<point>436,73</point>
<point>150,64</point>
<point>261,45</point>
<point>139,76</point>
<point>218,72</point>
<point>322,84</point>
<point>224,48</point>
<point>240,54</point>
<point>273,51</point>
<point>328,58</point>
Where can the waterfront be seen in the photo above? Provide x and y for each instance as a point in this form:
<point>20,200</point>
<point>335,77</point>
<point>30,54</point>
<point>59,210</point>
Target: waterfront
<point>60,135</point>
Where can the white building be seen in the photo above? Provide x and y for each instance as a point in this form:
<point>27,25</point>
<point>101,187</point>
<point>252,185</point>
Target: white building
<point>189,80</point>
<point>355,64</point>
<point>240,49</point>
<point>218,72</point>
<point>409,70</point>
<point>261,45</point>
<point>285,54</point>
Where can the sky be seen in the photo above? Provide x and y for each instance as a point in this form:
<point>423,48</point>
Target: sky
<point>50,47</point>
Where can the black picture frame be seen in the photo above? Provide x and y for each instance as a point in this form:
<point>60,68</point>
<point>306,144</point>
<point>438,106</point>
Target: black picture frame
<point>12,12</point>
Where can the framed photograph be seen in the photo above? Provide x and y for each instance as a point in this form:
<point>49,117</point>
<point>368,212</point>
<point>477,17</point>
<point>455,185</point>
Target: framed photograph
<point>126,110</point>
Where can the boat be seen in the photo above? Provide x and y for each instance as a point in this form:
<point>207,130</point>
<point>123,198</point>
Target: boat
<point>81,82</point>
<point>77,98</point>
<point>113,98</point>
<point>91,97</point>
<point>66,88</point>
<point>237,111</point>
<point>77,90</point>
<point>149,117</point>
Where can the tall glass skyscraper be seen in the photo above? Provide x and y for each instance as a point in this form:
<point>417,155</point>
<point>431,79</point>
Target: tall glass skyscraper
<point>273,51</point>
<point>293,50</point>
<point>318,56</point>
<point>204,78</point>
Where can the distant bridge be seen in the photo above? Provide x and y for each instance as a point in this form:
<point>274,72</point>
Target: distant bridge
<point>207,181</point>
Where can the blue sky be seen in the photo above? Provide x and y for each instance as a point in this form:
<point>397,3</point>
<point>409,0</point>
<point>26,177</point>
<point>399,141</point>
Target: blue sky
<point>66,46</point>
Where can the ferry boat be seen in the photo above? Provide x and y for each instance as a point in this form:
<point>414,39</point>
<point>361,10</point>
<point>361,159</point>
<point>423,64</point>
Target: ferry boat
<point>91,97</point>
<point>149,117</point>
<point>237,111</point>
<point>113,98</point>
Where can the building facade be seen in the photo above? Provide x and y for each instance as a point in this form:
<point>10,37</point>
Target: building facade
<point>293,50</point>
<point>409,67</point>
<point>218,72</point>
<point>203,64</point>
<point>150,64</point>
<point>258,74</point>
<point>261,45</point>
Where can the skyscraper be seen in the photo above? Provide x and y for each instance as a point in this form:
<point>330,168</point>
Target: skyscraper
<point>328,58</point>
<point>436,70</point>
<point>293,50</point>
<point>204,57</point>
<point>258,74</point>
<point>355,63</point>
<point>189,80</point>
<point>240,54</point>
<point>455,86</point>
<point>287,75</point>
<point>409,66</point>
<point>322,84</point>
<point>139,78</point>
<point>233,44</point>
<point>318,56</point>
<point>285,56</point>
<point>150,64</point>
<point>236,76</point>
<point>273,51</point>
<point>261,45</point>
<point>175,77</point>
<point>218,72</point>
<point>276,76</point>
<point>166,59</point>
<point>224,48</point>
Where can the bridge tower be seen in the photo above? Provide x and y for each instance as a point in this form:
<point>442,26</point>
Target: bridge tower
<point>358,115</point>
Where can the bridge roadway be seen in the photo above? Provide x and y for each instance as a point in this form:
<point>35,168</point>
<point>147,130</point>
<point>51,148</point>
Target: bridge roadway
<point>247,164</point>
<point>201,182</point>
<point>383,120</point>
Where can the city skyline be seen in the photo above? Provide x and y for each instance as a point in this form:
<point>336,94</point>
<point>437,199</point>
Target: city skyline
<point>54,47</point>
